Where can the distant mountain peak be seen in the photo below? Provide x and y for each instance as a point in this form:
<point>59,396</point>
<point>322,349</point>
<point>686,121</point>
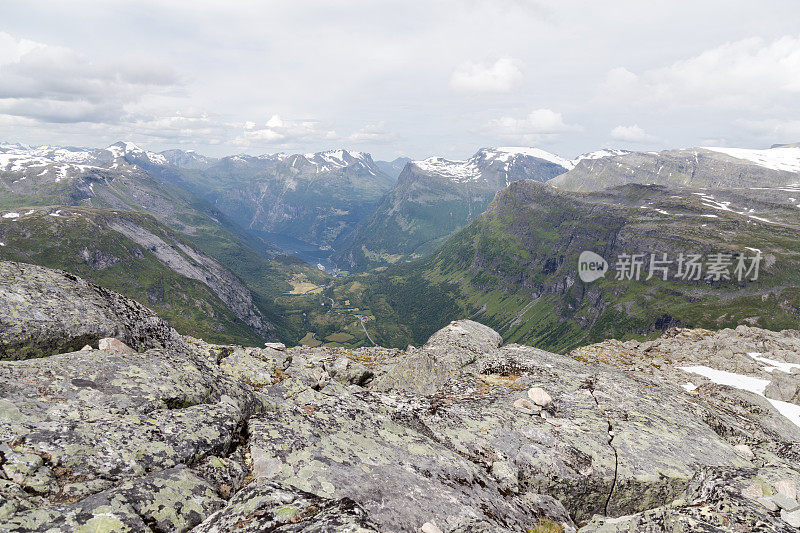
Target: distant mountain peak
<point>340,157</point>
<point>500,159</point>
<point>453,170</point>
<point>507,152</point>
<point>129,149</point>
<point>600,154</point>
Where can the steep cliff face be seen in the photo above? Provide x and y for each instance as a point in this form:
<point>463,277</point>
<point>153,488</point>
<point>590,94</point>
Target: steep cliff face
<point>697,430</point>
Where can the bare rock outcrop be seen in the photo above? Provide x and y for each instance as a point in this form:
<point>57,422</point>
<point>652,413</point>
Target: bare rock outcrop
<point>461,435</point>
<point>45,312</point>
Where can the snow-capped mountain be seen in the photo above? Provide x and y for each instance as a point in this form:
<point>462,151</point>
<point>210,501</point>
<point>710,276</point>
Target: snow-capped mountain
<point>131,152</point>
<point>47,163</point>
<point>59,163</point>
<point>495,167</point>
<point>120,176</point>
<point>339,159</point>
<point>506,164</point>
<point>436,196</point>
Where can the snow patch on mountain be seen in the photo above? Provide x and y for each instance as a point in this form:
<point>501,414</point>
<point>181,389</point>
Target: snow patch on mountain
<point>786,158</point>
<point>748,383</point>
<point>458,171</point>
<point>507,152</point>
<point>471,169</point>
<point>337,159</point>
<point>129,149</point>
<point>599,154</point>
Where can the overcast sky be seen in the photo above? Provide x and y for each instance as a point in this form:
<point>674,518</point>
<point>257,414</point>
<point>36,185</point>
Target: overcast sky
<point>409,77</point>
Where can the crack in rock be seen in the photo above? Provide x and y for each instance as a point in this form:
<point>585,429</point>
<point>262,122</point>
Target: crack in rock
<point>590,384</point>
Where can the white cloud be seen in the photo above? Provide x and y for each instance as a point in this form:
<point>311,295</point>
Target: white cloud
<point>373,133</point>
<point>349,64</point>
<point>280,132</point>
<point>502,76</point>
<point>751,74</point>
<point>537,126</point>
<point>54,84</point>
<point>632,134</point>
<point>778,131</point>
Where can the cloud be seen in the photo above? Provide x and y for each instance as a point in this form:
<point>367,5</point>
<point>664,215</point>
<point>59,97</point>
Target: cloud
<point>632,134</point>
<point>279,132</point>
<point>537,126</point>
<point>779,131</point>
<point>373,133</point>
<point>55,84</point>
<point>502,76</point>
<point>751,74</point>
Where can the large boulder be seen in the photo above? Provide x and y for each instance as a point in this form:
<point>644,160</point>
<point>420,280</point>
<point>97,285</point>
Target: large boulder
<point>45,312</point>
<point>454,349</point>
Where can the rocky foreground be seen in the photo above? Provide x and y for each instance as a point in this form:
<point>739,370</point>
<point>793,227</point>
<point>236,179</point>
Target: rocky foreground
<point>696,431</point>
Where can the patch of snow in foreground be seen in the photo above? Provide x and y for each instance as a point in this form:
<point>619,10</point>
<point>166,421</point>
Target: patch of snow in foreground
<point>11,215</point>
<point>789,410</point>
<point>774,364</point>
<point>737,381</point>
<point>688,386</point>
<point>748,383</point>
<point>2,244</point>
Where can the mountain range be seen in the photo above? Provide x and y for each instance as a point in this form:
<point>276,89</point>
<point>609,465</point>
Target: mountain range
<point>124,182</point>
<point>496,237</point>
<point>436,196</point>
<point>693,167</point>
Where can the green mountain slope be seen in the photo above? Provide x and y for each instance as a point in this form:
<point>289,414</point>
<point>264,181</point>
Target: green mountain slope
<point>515,267</point>
<point>135,255</point>
<point>124,177</point>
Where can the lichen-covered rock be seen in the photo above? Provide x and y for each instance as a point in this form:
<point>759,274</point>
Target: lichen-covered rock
<point>463,435</point>
<point>454,349</point>
<point>711,504</point>
<point>170,500</point>
<point>102,415</point>
<point>267,506</point>
<point>45,312</point>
